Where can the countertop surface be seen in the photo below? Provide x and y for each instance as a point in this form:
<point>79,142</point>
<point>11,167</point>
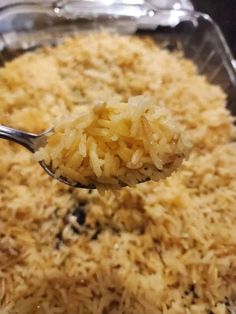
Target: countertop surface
<point>223,13</point>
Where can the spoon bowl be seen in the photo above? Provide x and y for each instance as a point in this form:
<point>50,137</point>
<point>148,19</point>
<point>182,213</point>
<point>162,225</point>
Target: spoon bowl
<point>62,179</point>
<point>33,142</point>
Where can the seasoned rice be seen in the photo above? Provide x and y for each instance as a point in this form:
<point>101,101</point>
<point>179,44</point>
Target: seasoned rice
<point>160,247</point>
<point>111,145</point>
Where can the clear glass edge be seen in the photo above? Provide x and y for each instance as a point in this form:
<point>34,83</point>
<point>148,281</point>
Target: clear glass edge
<point>144,12</point>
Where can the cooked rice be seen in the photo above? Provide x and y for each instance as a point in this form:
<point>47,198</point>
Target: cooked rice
<point>165,247</point>
<point>114,144</point>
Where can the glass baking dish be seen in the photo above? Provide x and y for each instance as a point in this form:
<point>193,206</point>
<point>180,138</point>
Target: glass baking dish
<point>25,26</point>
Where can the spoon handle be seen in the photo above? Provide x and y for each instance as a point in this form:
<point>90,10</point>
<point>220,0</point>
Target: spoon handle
<point>20,137</point>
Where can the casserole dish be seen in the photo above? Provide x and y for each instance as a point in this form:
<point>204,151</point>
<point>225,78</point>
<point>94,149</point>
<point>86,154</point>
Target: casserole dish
<point>26,26</point>
<point>155,248</point>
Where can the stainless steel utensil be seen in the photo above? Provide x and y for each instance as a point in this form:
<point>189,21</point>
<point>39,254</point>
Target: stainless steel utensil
<point>33,142</point>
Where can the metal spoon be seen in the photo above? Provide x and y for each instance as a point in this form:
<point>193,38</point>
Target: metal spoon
<point>33,142</point>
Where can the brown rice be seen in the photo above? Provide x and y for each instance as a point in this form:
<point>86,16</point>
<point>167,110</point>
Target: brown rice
<point>115,144</point>
<point>166,247</point>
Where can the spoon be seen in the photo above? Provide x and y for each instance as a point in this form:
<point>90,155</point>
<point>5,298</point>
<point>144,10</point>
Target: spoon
<point>33,142</point>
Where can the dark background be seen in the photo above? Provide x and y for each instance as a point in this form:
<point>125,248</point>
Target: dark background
<point>223,13</point>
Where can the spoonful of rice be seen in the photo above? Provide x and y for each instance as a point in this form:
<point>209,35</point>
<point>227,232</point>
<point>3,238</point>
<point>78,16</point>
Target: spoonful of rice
<point>108,146</point>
